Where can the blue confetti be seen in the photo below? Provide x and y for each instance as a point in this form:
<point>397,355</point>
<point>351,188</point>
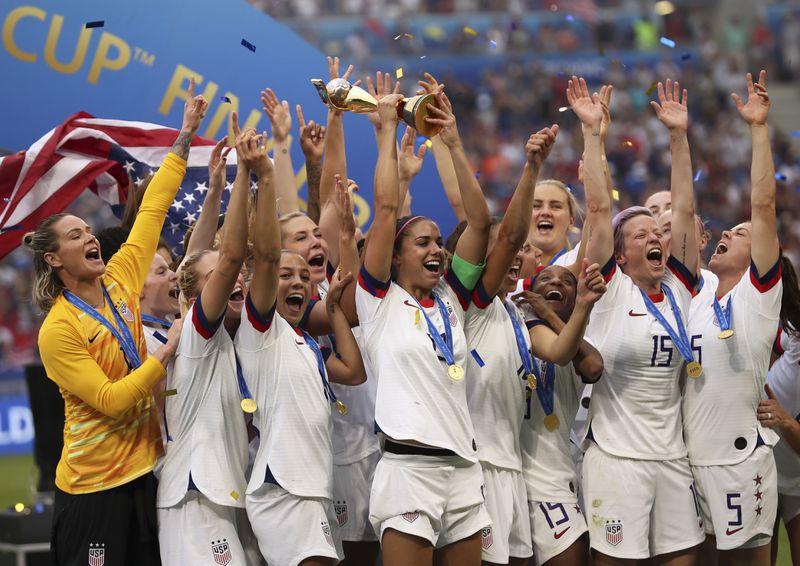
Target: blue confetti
<point>569,188</point>
<point>225,99</point>
<point>477,174</point>
<point>686,56</point>
<point>570,18</point>
<point>668,42</point>
<point>10,228</point>
<point>513,26</point>
<point>249,45</point>
<point>493,44</point>
<point>796,134</point>
<point>697,175</point>
<point>780,177</point>
<point>95,24</point>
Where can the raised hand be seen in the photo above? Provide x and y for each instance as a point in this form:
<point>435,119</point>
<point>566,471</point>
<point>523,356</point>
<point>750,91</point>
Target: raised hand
<point>278,113</point>
<point>587,107</point>
<point>194,110</point>
<point>338,283</point>
<point>344,208</point>
<point>333,70</point>
<point>591,285</point>
<point>430,85</point>
<point>539,145</point>
<point>536,303</point>
<point>217,164</point>
<point>441,114</point>
<point>409,163</point>
<point>671,108</point>
<point>756,110</point>
<point>251,151</point>
<point>387,109</point>
<point>312,137</point>
<point>605,100</point>
<point>380,88</point>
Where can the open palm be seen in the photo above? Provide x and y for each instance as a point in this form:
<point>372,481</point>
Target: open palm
<point>672,109</point>
<point>756,110</point>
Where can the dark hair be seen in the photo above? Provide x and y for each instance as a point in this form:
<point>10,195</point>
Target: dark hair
<point>790,302</point>
<point>400,226</point>
<point>452,240</point>
<point>47,285</point>
<point>111,240</point>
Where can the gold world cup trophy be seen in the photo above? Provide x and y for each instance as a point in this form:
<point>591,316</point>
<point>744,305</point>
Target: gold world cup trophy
<point>339,94</point>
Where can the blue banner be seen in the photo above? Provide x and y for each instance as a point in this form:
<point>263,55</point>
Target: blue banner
<point>133,60</point>
<point>16,425</point>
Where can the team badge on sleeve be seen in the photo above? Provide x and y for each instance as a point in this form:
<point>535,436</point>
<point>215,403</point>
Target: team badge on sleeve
<point>613,532</point>
<point>486,538</point>
<point>340,507</point>
<point>411,516</point>
<point>97,554</point>
<point>221,551</point>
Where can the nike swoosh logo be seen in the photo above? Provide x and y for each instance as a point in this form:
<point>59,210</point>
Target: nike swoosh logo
<point>561,534</point>
<point>631,313</point>
<point>409,304</point>
<point>93,337</point>
<point>729,532</point>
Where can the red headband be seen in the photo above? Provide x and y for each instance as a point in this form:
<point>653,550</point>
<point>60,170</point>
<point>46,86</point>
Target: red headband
<point>404,226</point>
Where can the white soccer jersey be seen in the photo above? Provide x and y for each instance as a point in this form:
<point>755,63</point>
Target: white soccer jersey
<point>719,407</point>
<point>416,399</point>
<point>706,288</point>
<point>155,338</point>
<point>784,379</point>
<point>293,414</point>
<point>547,464</point>
<point>567,258</point>
<point>204,418</point>
<point>635,410</point>
<point>496,385</point>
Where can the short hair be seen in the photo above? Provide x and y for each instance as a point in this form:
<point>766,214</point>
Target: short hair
<point>620,219</point>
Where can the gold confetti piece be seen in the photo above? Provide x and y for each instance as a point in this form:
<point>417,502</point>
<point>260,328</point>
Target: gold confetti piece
<point>627,143</point>
<point>416,318</point>
<point>601,50</point>
<point>408,35</point>
<point>563,109</point>
<point>235,495</point>
<point>429,143</point>
<point>399,73</point>
<point>575,230</point>
<point>169,392</point>
<point>615,194</point>
<point>652,88</point>
<point>469,31</point>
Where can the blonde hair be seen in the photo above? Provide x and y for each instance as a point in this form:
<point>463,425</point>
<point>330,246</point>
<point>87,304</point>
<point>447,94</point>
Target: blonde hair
<point>575,211</point>
<point>188,279</point>
<point>291,216</point>
<point>47,285</point>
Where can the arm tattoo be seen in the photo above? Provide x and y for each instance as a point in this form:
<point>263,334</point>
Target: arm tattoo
<point>683,250</point>
<point>284,151</point>
<point>181,145</point>
<point>313,175</point>
<point>589,237</point>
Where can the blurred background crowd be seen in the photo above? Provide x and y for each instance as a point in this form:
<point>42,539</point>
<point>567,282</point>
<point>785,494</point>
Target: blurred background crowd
<point>506,64</point>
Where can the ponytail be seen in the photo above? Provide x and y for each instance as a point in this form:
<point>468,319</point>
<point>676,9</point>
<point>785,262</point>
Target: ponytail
<point>47,285</point>
<point>790,303</point>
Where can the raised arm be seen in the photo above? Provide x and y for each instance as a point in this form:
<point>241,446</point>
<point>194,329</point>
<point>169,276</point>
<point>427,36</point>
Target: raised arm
<point>517,219</point>
<point>217,290</point>
<point>378,253</point>
<point>764,247</point>
<point>409,162</point>
<point>597,234</point>
<point>280,118</point>
<point>673,112</point>
<point>312,141</point>
<point>471,246</point>
<point>347,367</point>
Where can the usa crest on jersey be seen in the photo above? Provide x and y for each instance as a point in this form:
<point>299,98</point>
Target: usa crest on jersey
<point>486,538</point>
<point>340,507</point>
<point>613,532</point>
<point>97,554</point>
<point>221,551</point>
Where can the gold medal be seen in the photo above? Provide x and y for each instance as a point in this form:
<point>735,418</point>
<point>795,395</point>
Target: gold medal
<point>248,405</point>
<point>341,407</point>
<point>456,372</point>
<point>725,334</point>
<point>551,422</point>
<point>531,381</point>
<point>694,370</point>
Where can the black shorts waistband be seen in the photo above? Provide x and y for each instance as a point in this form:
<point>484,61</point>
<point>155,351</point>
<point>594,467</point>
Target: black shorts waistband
<point>410,450</point>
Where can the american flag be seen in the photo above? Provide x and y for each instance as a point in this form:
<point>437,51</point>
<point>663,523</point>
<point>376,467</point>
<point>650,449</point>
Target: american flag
<point>104,156</point>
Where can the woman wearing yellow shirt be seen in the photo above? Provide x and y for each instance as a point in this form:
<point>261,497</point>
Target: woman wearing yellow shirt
<point>93,347</point>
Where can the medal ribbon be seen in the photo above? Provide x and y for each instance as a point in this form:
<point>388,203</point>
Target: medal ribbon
<point>679,337</point>
<point>320,365</point>
<point>155,320</point>
<point>445,346</point>
<point>122,334</point>
<point>244,391</point>
<point>558,255</point>
<point>723,317</point>
<point>527,360</point>
<point>547,388</point>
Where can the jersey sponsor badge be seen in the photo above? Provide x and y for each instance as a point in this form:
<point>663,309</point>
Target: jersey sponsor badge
<point>411,516</point>
<point>221,551</point>
<point>613,532</point>
<point>326,530</point>
<point>97,554</point>
<point>486,538</point>
<point>340,507</point>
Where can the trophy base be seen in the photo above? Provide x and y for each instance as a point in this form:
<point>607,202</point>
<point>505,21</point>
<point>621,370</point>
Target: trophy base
<point>413,111</point>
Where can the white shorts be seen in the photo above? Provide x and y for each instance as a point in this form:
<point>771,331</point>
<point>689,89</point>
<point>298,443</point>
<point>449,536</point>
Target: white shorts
<point>351,486</point>
<point>510,532</point>
<point>291,529</point>
<point>438,498</point>
<point>555,527</point>
<point>198,531</point>
<point>788,506</point>
<point>639,508</point>
<point>739,501</point>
